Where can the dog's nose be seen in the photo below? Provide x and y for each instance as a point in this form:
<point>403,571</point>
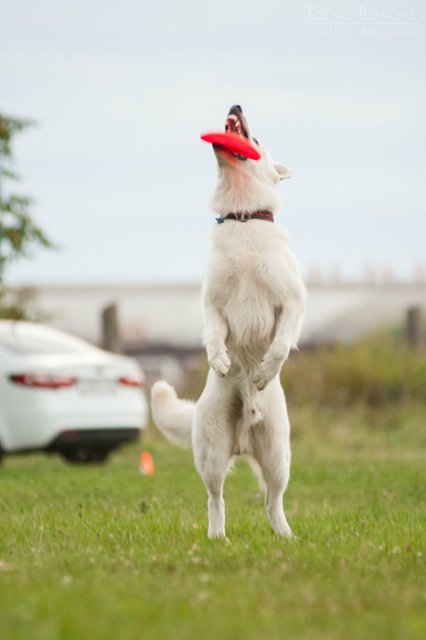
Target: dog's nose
<point>235,109</point>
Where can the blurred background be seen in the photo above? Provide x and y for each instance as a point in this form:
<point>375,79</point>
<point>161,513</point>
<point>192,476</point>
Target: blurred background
<point>120,183</point>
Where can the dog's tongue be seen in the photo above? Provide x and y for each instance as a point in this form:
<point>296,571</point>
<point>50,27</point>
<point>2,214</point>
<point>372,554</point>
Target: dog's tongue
<point>233,142</point>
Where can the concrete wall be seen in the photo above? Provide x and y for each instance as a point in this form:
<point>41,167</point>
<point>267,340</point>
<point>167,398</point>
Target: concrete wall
<point>173,313</point>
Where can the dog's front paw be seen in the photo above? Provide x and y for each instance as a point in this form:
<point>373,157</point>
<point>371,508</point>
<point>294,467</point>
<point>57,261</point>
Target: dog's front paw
<point>219,361</point>
<point>268,369</point>
<point>264,376</point>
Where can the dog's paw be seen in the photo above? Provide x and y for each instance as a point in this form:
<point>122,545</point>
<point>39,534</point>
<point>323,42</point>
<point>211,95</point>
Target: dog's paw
<point>270,367</point>
<point>219,361</point>
<point>266,372</point>
<point>262,380</point>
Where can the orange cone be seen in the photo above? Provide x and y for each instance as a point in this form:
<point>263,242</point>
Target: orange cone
<point>146,466</point>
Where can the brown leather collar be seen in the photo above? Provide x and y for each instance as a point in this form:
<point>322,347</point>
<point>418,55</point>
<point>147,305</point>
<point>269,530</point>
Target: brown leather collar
<point>245,217</point>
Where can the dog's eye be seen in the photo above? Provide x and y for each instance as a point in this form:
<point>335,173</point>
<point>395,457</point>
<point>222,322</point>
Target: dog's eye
<point>256,141</point>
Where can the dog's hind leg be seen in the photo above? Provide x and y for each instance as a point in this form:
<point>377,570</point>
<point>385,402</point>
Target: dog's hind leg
<point>212,443</point>
<point>271,450</point>
<point>276,482</point>
<point>212,465</point>
<point>213,473</point>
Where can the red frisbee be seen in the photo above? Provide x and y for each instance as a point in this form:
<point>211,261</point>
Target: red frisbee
<point>232,142</point>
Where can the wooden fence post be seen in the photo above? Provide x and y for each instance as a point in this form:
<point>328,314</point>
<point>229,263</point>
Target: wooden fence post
<point>414,328</point>
<point>110,329</point>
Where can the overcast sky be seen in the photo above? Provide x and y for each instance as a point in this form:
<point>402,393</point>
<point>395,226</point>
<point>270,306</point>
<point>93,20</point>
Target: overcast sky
<point>122,89</point>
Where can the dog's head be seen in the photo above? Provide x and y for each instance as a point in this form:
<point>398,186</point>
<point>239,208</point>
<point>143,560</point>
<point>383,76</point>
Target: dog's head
<point>246,185</point>
<point>265,169</point>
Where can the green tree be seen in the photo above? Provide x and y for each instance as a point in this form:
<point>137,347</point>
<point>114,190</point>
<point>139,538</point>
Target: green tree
<point>18,232</point>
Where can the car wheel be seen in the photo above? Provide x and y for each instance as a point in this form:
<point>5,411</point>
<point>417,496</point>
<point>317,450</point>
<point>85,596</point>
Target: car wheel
<point>83,455</point>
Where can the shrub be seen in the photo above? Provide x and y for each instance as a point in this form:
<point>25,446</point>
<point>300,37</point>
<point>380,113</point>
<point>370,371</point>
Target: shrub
<point>375,371</point>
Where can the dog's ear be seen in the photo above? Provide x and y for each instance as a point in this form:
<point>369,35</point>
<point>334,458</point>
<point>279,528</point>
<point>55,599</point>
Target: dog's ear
<point>283,171</point>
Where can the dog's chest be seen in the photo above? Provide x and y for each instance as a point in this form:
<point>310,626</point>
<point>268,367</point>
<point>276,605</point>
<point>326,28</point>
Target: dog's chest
<point>248,266</point>
<point>247,275</point>
<point>246,283</point>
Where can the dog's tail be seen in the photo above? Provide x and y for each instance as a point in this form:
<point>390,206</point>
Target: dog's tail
<point>171,415</point>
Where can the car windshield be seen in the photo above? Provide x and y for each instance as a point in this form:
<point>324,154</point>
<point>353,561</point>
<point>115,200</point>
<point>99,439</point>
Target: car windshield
<point>20,343</point>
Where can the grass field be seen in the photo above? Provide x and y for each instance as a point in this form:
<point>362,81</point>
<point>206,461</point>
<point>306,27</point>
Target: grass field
<point>103,552</point>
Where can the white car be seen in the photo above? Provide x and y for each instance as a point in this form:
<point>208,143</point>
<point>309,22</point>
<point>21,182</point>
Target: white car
<point>59,393</point>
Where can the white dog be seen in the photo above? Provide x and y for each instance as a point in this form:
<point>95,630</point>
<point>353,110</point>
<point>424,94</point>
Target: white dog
<point>254,301</point>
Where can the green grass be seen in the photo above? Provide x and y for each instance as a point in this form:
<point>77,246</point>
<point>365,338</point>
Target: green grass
<point>103,552</point>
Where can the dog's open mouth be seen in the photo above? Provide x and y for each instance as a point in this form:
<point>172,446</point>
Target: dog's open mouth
<point>235,123</point>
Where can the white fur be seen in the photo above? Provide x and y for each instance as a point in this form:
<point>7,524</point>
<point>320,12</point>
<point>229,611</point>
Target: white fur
<point>254,304</point>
